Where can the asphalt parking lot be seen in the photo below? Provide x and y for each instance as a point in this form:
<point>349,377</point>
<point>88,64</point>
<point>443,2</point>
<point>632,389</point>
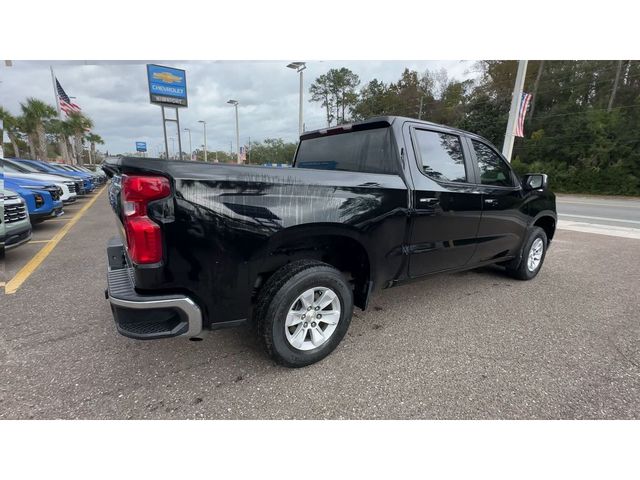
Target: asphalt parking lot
<point>473,345</point>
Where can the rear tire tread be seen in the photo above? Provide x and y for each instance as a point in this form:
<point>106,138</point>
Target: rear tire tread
<point>270,289</point>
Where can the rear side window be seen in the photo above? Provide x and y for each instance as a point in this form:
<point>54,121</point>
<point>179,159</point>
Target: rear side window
<point>368,151</point>
<point>493,169</point>
<point>441,156</point>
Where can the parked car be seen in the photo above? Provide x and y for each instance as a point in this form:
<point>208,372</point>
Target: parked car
<point>99,177</point>
<point>17,170</point>
<point>95,169</point>
<point>42,198</point>
<point>44,167</point>
<point>365,206</point>
<point>65,169</point>
<point>15,227</point>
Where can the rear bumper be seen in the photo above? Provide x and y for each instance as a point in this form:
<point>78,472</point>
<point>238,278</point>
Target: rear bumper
<point>146,317</point>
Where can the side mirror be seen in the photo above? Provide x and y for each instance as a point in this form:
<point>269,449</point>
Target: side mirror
<point>534,181</point>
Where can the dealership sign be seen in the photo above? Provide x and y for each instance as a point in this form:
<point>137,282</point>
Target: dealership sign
<point>141,146</point>
<point>167,86</point>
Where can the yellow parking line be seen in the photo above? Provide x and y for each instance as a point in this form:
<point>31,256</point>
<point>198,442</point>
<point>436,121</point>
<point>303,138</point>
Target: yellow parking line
<point>26,271</point>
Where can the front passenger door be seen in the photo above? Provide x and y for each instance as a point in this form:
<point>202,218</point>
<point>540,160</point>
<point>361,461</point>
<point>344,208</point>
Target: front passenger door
<point>504,219</point>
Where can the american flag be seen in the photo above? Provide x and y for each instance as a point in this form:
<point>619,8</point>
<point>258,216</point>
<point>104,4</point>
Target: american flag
<point>65,102</point>
<point>522,112</point>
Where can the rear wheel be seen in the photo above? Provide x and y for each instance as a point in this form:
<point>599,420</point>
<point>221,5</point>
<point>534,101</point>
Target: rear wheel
<point>533,254</point>
<point>303,312</point>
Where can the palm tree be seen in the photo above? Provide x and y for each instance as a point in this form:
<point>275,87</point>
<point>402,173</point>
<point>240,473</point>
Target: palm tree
<point>62,131</point>
<point>78,125</point>
<point>11,126</point>
<point>93,139</point>
<point>36,113</point>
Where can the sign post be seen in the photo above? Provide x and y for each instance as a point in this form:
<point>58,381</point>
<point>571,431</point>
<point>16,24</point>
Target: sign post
<point>168,88</point>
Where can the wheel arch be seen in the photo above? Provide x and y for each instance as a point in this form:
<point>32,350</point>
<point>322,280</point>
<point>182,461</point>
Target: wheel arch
<point>548,222</point>
<point>340,246</point>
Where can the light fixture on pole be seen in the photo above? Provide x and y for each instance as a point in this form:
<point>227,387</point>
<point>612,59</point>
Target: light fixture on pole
<point>235,104</point>
<point>190,148</point>
<point>299,67</point>
<point>204,126</point>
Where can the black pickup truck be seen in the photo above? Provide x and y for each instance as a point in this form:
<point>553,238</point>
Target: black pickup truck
<point>365,206</point>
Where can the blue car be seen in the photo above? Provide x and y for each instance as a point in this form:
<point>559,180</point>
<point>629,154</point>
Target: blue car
<point>43,199</point>
<point>63,169</point>
<point>44,167</point>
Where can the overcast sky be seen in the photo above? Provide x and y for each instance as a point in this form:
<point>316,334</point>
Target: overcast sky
<point>115,96</point>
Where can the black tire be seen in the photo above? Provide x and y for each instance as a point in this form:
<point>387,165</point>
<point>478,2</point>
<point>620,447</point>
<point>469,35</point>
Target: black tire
<point>276,298</point>
<point>521,270</point>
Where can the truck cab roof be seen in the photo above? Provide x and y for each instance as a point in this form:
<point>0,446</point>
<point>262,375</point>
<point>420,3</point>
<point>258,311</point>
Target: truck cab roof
<point>378,122</point>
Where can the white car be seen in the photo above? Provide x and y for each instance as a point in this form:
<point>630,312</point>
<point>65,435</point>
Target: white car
<point>67,184</point>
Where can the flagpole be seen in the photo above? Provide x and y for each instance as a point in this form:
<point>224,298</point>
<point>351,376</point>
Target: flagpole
<point>507,147</point>
<point>63,138</point>
<point>55,92</point>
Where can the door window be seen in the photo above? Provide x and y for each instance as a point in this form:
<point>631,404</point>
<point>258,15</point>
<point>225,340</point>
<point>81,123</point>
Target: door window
<point>441,156</point>
<point>493,169</point>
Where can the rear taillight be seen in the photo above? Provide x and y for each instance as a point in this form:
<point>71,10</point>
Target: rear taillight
<point>144,238</point>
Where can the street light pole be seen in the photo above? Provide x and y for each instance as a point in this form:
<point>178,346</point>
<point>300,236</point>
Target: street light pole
<point>204,126</point>
<point>235,104</point>
<point>173,146</point>
<point>190,148</point>
<point>299,67</point>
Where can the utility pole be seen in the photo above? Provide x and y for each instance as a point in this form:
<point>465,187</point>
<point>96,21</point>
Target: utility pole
<point>507,147</point>
<point>536,84</point>
<point>615,87</point>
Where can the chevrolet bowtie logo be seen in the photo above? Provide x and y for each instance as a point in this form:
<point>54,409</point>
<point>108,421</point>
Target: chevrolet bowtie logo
<point>167,77</point>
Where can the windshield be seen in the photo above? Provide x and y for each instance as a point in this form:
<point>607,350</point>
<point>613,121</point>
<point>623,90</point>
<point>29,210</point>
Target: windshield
<point>26,167</point>
<point>12,167</point>
<point>38,168</point>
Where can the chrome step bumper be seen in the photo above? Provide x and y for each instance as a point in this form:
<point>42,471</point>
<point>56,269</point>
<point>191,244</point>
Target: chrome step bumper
<point>147,317</point>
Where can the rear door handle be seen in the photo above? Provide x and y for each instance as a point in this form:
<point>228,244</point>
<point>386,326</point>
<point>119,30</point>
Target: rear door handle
<point>491,201</point>
<point>428,201</point>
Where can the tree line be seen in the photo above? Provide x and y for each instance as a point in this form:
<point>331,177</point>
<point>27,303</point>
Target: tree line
<point>582,127</point>
<point>38,133</point>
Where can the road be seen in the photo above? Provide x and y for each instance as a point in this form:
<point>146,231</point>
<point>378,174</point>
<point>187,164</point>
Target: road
<point>615,215</point>
<point>473,345</point>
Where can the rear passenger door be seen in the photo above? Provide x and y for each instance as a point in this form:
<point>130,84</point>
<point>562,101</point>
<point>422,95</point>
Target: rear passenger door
<point>504,218</point>
<point>446,203</point>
